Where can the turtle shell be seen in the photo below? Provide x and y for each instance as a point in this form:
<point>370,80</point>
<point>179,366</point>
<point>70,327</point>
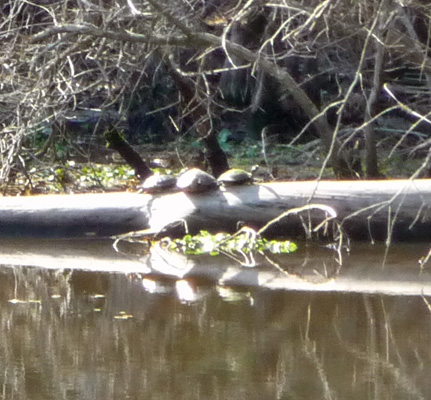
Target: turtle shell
<point>196,181</point>
<point>235,176</point>
<point>158,183</point>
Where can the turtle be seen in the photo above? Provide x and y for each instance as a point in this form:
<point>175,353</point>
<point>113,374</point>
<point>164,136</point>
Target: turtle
<point>196,181</point>
<point>158,183</point>
<point>235,176</point>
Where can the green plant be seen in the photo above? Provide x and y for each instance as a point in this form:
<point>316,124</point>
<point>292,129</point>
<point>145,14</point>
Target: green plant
<point>243,243</point>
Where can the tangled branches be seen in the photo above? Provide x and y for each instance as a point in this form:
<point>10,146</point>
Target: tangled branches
<point>58,57</point>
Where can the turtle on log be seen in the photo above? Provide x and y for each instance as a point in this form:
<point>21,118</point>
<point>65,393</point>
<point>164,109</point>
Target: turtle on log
<point>234,177</point>
<point>158,183</point>
<point>196,181</point>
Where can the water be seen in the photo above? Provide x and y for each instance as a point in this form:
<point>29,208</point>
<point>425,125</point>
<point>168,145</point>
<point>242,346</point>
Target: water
<point>72,334</point>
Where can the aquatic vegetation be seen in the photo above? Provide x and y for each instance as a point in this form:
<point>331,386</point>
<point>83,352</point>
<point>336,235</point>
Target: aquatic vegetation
<point>245,241</point>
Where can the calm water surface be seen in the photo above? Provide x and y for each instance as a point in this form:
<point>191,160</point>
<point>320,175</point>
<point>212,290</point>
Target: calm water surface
<point>92,335</point>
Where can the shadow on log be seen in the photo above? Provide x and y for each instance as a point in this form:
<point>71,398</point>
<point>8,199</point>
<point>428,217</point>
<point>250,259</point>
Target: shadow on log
<point>376,210</point>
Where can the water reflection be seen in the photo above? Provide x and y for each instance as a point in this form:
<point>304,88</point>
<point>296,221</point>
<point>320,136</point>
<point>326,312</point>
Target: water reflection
<point>88,335</point>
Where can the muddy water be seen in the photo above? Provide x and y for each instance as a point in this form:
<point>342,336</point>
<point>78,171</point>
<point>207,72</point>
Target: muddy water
<point>72,334</point>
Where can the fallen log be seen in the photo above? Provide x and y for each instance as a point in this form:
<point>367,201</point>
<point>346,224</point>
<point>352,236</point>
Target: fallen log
<point>67,216</point>
<point>398,209</point>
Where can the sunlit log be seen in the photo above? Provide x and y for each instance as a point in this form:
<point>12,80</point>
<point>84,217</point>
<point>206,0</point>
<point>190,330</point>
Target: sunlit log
<point>398,209</point>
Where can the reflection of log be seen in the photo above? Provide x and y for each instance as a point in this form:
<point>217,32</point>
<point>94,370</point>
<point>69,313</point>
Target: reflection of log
<point>312,268</point>
<point>363,207</point>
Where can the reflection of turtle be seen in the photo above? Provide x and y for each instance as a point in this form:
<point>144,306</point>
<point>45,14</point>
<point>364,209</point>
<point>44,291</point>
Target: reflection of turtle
<point>196,181</point>
<point>235,176</point>
<point>158,183</point>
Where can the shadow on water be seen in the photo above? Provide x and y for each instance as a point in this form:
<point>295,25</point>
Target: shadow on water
<point>74,334</point>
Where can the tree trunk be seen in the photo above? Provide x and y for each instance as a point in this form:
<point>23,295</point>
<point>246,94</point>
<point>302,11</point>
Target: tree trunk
<point>129,154</point>
<point>372,168</point>
<point>214,154</point>
<point>381,210</point>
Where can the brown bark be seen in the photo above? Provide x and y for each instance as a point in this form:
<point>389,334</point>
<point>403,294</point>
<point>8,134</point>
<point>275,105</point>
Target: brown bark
<point>129,154</point>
